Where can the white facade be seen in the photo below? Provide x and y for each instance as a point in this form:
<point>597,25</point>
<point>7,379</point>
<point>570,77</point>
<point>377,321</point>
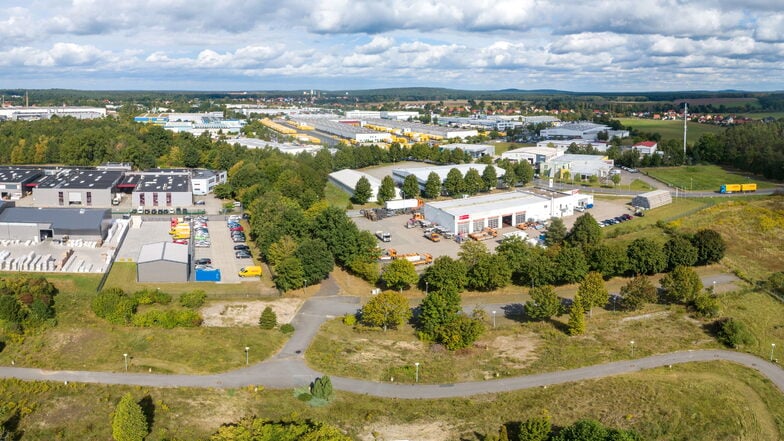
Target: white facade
<point>583,165</point>
<point>534,155</point>
<point>347,180</point>
<point>582,130</point>
<point>498,210</point>
<point>421,173</point>
<point>566,143</point>
<point>203,181</point>
<point>36,113</point>
<point>475,150</point>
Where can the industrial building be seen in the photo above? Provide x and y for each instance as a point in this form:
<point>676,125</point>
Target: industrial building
<point>421,132</point>
<point>498,210</point>
<point>347,180</point>
<point>534,155</point>
<point>291,149</point>
<point>163,262</point>
<point>348,131</point>
<point>38,113</point>
<point>564,144</point>
<point>203,181</point>
<point>160,188</point>
<point>193,123</point>
<point>37,224</point>
<point>475,150</point>
<point>652,199</point>
<point>582,130</point>
<point>484,122</point>
<point>14,181</point>
<point>582,166</point>
<point>75,187</point>
<point>395,114</point>
<point>422,173</point>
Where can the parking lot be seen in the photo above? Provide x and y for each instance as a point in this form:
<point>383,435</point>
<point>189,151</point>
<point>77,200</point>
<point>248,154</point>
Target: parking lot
<point>405,240</point>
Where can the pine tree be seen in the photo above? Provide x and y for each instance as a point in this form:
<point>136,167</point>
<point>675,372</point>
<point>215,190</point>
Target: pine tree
<point>268,319</point>
<point>577,317</point>
<point>128,420</point>
<point>322,388</point>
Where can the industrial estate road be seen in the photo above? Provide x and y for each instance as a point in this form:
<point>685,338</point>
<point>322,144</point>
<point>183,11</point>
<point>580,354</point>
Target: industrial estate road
<point>288,369</point>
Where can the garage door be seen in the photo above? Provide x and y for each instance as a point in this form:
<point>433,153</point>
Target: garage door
<point>74,197</point>
<point>479,224</point>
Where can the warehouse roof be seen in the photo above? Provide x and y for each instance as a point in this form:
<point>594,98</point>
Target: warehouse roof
<point>81,179</point>
<point>169,251</point>
<point>170,182</point>
<point>12,174</point>
<point>58,218</point>
<point>467,147</point>
<point>442,171</point>
<point>479,204</point>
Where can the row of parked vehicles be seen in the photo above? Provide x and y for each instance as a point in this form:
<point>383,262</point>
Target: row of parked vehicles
<point>241,251</point>
<point>616,220</point>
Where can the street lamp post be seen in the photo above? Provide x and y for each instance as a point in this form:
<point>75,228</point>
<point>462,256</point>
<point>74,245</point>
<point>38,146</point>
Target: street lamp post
<point>247,348</point>
<point>427,286</point>
<point>772,347</point>
<point>493,319</point>
<point>125,358</point>
<point>304,285</point>
<point>632,343</point>
<point>416,374</point>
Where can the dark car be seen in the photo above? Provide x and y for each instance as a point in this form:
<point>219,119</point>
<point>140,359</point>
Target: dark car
<point>242,254</point>
<point>627,216</point>
<point>241,247</point>
<point>203,261</point>
<point>238,239</point>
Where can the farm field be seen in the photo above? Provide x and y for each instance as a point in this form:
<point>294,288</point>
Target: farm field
<point>702,177</point>
<point>669,129</point>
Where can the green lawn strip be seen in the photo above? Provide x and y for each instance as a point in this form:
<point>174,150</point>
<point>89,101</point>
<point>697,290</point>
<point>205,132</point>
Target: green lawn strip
<point>703,177</point>
<point>335,196</point>
<point>671,129</point>
<point>695,401</point>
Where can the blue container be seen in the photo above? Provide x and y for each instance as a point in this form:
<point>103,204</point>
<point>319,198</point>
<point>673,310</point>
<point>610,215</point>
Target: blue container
<point>589,206</point>
<point>208,275</point>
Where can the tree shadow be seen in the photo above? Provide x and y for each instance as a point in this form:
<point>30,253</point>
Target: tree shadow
<point>148,408</point>
<point>11,425</point>
<point>514,311</point>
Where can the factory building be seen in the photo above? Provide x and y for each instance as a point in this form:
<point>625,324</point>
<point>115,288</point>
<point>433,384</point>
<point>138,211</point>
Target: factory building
<point>582,166</point>
<point>68,187</point>
<point>14,181</point>
<point>421,132</point>
<point>38,224</point>
<point>498,210</point>
<point>163,262</point>
<point>203,181</point>
<point>534,155</point>
<point>193,123</point>
<point>347,180</point>
<point>160,188</point>
<point>475,150</point>
<point>582,130</point>
<point>564,144</point>
<point>422,173</point>
<point>38,113</point>
<point>346,130</point>
<point>484,122</point>
<point>291,149</point>
<point>376,114</point>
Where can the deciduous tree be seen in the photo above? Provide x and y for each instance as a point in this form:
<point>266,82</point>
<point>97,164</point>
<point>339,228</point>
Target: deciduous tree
<point>576,317</point>
<point>472,183</point>
<point>362,191</point>
<point>556,232</point>
<point>637,292</point>
<point>453,184</point>
<point>389,309</point>
<point>128,420</point>
<point>682,285</point>
<point>585,231</point>
<point>592,291</point>
<point>410,187</point>
<point>433,186</point>
<point>680,252</point>
<point>544,303</point>
<point>490,178</point>
<point>710,246</point>
<point>646,256</point>
<point>399,274</point>
<point>490,272</point>
<point>386,191</point>
<point>446,272</point>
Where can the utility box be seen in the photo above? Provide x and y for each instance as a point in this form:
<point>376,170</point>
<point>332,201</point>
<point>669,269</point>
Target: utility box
<point>208,275</point>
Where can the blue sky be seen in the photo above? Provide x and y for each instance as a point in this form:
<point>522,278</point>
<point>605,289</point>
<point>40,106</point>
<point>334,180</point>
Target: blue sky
<point>620,45</point>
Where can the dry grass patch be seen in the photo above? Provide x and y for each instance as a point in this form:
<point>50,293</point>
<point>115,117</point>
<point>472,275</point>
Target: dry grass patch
<point>232,314</point>
<point>420,431</point>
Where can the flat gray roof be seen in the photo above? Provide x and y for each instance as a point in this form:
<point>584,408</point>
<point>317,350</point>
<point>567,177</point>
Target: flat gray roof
<point>81,179</point>
<point>170,182</point>
<point>58,218</point>
<point>480,204</point>
<point>14,175</point>
<point>170,251</point>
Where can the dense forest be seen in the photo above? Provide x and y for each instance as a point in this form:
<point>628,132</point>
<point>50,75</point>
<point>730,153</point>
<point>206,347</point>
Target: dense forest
<point>756,148</point>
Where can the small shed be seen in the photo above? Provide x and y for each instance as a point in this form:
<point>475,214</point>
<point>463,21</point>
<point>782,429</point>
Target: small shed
<point>163,262</point>
<point>652,199</point>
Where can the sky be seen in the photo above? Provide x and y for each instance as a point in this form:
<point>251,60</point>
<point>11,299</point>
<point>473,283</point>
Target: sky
<point>235,45</point>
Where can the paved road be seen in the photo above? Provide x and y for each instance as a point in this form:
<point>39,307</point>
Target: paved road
<point>288,368</point>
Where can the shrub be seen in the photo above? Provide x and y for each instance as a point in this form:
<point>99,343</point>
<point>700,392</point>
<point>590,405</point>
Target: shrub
<point>114,305</point>
<point>150,296</point>
<point>287,328</point>
<point>734,333</point>
<point>167,319</point>
<point>706,305</point>
<point>322,388</point>
<point>268,319</point>
<point>350,319</point>
<point>193,299</point>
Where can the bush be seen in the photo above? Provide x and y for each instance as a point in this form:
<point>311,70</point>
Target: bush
<point>268,319</point>
<point>193,299</point>
<point>706,305</point>
<point>151,296</point>
<point>287,328</point>
<point>322,388</point>
<point>734,333</point>
<point>114,305</point>
<point>350,319</point>
<point>167,319</point>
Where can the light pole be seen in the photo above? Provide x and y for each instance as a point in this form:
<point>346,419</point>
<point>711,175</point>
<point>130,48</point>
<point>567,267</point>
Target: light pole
<point>247,348</point>
<point>772,347</point>
<point>427,286</point>
<point>632,343</point>
<point>714,287</point>
<point>125,358</point>
<point>493,319</point>
<point>416,375</point>
<point>304,285</point>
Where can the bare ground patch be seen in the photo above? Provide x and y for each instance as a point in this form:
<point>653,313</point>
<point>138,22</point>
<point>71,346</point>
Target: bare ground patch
<point>433,431</point>
<point>247,313</point>
<point>518,351</point>
<point>381,350</point>
<point>645,316</point>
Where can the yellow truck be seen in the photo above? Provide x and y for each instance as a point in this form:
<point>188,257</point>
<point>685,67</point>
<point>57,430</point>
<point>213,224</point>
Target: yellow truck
<point>250,271</point>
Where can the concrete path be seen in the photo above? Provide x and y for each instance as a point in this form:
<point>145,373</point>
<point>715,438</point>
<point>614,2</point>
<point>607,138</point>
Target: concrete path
<point>288,369</point>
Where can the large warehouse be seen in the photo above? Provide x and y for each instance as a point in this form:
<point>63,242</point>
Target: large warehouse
<point>14,181</point>
<point>163,262</point>
<point>27,223</point>
<point>168,189</point>
<point>502,209</point>
<point>347,180</point>
<point>422,173</point>
<point>72,186</point>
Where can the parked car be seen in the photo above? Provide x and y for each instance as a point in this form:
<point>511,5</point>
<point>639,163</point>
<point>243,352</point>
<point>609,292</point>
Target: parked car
<point>202,267</point>
<point>236,228</point>
<point>181,241</point>
<point>203,261</point>
<point>238,239</point>
<point>241,247</point>
<point>242,255</point>
<point>200,202</point>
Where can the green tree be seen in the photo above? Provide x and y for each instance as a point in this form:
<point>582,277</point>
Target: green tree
<point>322,388</point>
<point>489,273</point>
<point>285,247</point>
<point>707,305</point>
<point>433,186</point>
<point>471,252</point>
<point>472,183</point>
<point>734,333</point>
<point>389,309</point>
<point>680,252</point>
<point>544,303</point>
<point>257,429</point>
<point>585,231</point>
<point>583,430</point>
<point>525,172</point>
<point>410,187</point>
<point>10,310</point>
<point>460,332</point>
<point>114,305</point>
<point>268,319</point>
<point>490,178</point>
<point>399,274</point>
<point>592,292</point>
<point>610,260</point>
<point>128,420</point>
<point>577,317</point>
<point>316,259</point>
<point>710,246</point>
<point>775,282</point>
<point>446,272</point>
<point>539,270</point>
<point>616,179</point>
<point>570,264</point>
<point>515,253</point>
<point>453,184</point>
<point>438,309</point>
<point>386,191</point>
<point>646,256</point>
<point>289,274</point>
<point>535,429</point>
<point>362,191</point>
<point>556,232</point>
<point>682,285</point>
<point>193,299</point>
<point>637,292</point>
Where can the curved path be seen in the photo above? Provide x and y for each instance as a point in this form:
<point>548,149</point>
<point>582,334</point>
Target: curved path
<point>288,369</point>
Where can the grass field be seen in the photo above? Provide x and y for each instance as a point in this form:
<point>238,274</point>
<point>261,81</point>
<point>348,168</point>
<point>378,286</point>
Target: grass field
<point>335,196</point>
<point>671,129</point>
<point>501,147</point>
<point>702,177</point>
<point>696,401</point>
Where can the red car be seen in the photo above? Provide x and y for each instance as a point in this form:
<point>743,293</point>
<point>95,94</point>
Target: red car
<point>237,228</point>
<point>181,241</point>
